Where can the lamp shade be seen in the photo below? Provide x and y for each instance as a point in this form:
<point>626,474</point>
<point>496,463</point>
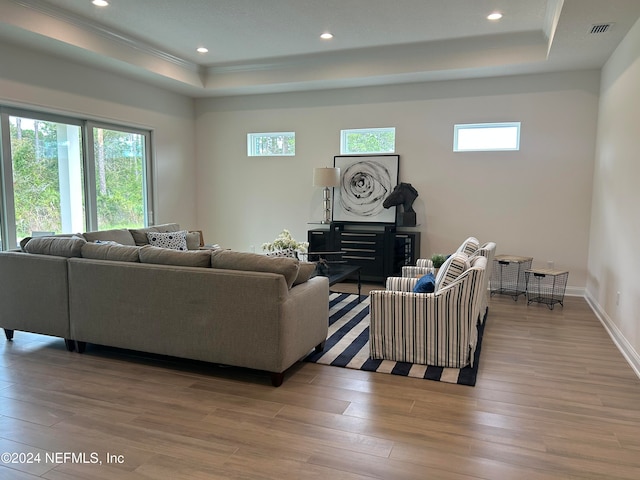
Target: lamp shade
<point>326,177</point>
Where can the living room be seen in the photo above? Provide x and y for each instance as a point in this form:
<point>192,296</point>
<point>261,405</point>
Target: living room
<point>567,196</point>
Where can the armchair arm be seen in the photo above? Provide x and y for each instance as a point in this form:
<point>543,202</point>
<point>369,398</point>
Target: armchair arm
<point>410,271</point>
<point>401,284</point>
<point>424,263</point>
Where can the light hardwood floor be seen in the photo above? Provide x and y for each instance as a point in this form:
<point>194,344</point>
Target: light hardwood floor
<point>554,400</point>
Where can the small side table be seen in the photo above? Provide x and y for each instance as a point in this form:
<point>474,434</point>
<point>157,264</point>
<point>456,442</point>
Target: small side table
<point>507,275</point>
<point>546,286</point>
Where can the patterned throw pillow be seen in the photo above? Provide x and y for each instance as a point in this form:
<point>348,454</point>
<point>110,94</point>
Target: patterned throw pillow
<point>287,252</point>
<point>172,240</point>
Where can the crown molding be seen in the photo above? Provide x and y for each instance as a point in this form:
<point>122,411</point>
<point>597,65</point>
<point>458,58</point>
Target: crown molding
<point>106,32</point>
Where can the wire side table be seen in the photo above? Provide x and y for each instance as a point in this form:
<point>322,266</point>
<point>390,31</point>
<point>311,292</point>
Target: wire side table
<point>508,275</point>
<point>546,286</point>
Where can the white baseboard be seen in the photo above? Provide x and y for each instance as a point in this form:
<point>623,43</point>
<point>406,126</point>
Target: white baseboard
<point>627,350</point>
<point>575,291</point>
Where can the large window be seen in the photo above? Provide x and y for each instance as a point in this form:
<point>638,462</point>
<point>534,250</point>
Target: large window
<point>271,144</point>
<point>475,137</point>
<point>65,175</point>
<point>368,140</point>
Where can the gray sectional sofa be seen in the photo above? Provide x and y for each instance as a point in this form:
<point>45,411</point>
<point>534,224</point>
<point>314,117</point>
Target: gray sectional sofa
<point>219,306</point>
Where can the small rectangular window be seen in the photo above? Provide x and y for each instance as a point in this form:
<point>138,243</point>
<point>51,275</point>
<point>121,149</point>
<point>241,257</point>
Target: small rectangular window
<point>478,137</point>
<point>271,144</point>
<point>368,140</point>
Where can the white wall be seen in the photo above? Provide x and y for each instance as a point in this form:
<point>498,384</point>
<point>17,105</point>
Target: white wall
<point>614,256</point>
<point>534,202</point>
<point>36,81</point>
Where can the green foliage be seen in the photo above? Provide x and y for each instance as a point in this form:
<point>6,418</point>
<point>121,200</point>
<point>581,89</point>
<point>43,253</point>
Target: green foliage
<point>120,160</point>
<point>438,259</point>
<point>371,142</point>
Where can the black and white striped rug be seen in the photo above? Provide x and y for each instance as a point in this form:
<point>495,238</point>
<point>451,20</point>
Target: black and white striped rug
<point>348,346</point>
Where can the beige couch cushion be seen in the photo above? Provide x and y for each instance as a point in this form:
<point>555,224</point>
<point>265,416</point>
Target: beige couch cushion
<point>253,262</point>
<point>120,235</point>
<point>59,246</point>
<point>101,251</point>
<point>165,256</point>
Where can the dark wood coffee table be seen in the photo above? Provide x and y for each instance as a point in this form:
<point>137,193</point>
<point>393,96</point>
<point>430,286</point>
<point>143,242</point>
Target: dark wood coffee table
<point>338,272</point>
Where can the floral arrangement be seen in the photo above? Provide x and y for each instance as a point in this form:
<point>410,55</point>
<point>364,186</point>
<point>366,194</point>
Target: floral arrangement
<point>285,241</point>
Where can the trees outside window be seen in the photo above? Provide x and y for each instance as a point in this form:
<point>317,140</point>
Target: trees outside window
<point>68,176</point>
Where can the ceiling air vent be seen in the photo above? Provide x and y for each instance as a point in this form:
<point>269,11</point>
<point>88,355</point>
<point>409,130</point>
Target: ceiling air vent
<point>600,28</point>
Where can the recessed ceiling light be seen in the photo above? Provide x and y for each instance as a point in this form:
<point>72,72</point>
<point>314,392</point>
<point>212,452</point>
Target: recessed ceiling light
<point>494,16</point>
<point>100,3</point>
<point>202,50</point>
<point>326,36</point>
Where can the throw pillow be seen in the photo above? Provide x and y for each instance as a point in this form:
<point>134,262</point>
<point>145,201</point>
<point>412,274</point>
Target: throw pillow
<point>454,266</point>
<point>426,284</point>
<point>119,235</point>
<point>287,252</point>
<point>305,271</point>
<point>172,240</point>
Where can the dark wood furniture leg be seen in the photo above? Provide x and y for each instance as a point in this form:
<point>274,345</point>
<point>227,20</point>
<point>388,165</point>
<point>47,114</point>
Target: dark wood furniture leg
<point>81,346</point>
<point>8,333</point>
<point>320,347</point>
<point>277,379</point>
<point>70,344</point>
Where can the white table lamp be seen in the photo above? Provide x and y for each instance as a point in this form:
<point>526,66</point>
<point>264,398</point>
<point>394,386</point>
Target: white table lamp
<point>326,177</point>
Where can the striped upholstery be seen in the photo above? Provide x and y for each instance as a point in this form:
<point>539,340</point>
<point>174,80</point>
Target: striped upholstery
<point>401,284</point>
<point>469,246</point>
<point>410,271</point>
<point>451,269</point>
<point>436,329</point>
<point>488,251</point>
<point>424,262</point>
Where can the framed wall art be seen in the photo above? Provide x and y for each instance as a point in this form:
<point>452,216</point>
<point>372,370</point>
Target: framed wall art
<point>365,181</point>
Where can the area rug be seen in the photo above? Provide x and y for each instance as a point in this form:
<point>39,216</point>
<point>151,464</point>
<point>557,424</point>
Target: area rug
<point>348,346</point>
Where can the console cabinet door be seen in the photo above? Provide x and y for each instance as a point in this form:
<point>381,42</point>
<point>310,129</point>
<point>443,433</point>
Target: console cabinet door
<point>365,249</point>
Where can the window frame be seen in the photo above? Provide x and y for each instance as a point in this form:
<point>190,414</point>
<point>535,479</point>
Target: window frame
<point>253,136</point>
<point>487,125</point>
<point>344,140</point>
<point>7,204</point>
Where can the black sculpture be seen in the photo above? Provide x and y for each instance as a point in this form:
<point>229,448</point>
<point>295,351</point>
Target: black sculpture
<point>404,194</point>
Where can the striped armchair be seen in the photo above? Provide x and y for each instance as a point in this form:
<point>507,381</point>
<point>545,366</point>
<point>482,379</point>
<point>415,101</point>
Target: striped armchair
<point>488,251</point>
<point>429,328</point>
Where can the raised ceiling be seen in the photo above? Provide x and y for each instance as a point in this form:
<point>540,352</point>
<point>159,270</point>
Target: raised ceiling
<point>261,46</point>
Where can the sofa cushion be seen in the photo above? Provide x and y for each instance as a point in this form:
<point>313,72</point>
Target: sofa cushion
<point>106,251</point>
<point>253,262</point>
<point>304,272</point>
<point>426,284</point>
<point>140,234</point>
<point>120,235</point>
<point>451,269</point>
<point>58,246</point>
<point>172,240</point>
<point>165,256</point>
